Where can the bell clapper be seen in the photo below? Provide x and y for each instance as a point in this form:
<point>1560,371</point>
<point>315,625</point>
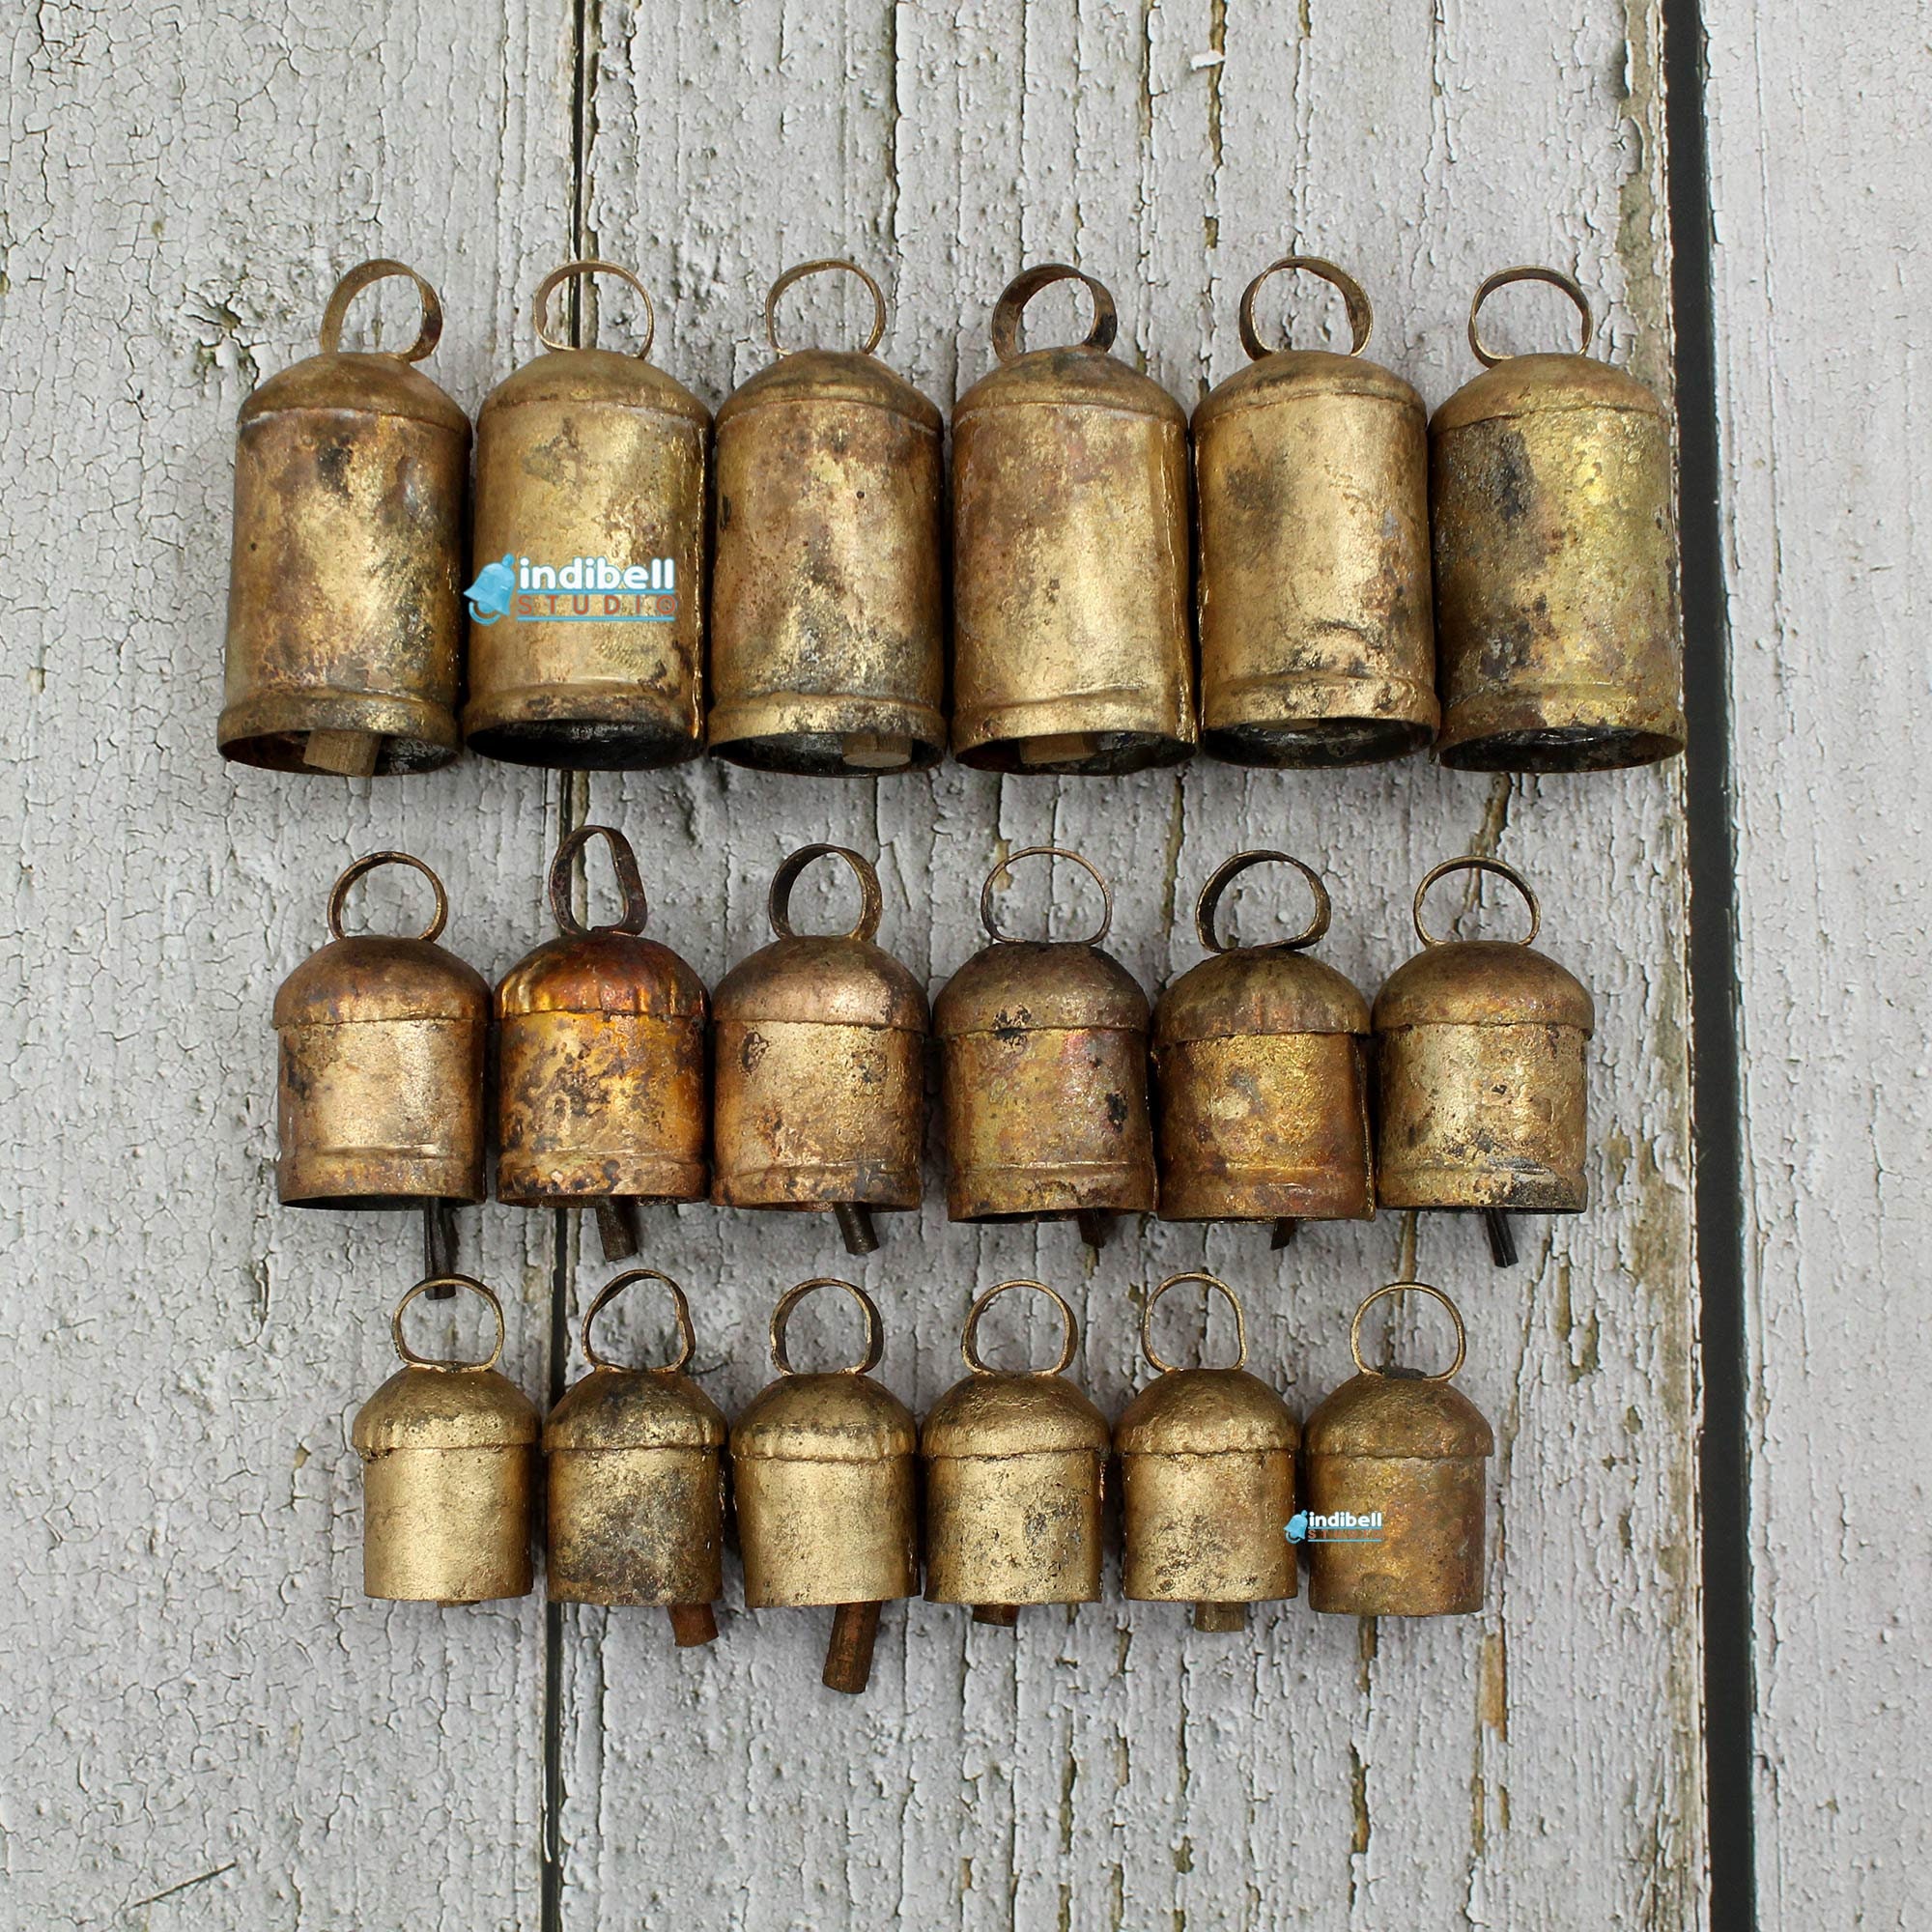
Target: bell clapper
<point>1502,1241</point>
<point>878,751</point>
<point>848,1654</point>
<point>1004,1615</point>
<point>855,1225</point>
<point>1093,1224</point>
<point>692,1625</point>
<point>439,1247</point>
<point>1058,748</point>
<point>617,1228</point>
<point>1284,1226</point>
<point>351,754</point>
<point>1221,1617</point>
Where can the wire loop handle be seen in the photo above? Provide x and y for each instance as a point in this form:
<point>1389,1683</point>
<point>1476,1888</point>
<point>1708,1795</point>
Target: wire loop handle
<point>1474,865</point>
<point>429,329</point>
<point>969,1337</point>
<point>875,1328</point>
<point>1214,1284</point>
<point>1398,1287</point>
<point>1556,279</point>
<point>1004,869</point>
<point>1027,284</point>
<point>447,1364</point>
<point>362,868</point>
<point>586,268</point>
<point>623,862</point>
<point>1361,314</point>
<point>687,1335</point>
<point>798,275</point>
<point>871,903</point>
<point>1226,875</point>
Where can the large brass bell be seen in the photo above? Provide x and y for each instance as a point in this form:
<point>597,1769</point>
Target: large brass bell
<point>827,609</point>
<point>820,1069</point>
<point>822,1470</point>
<point>380,1101</point>
<point>1556,610</point>
<point>1207,1482</point>
<point>449,1472</point>
<point>1015,1465</point>
<point>344,620</point>
<point>635,1460</point>
<point>1311,471</point>
<point>600,1086</point>
<point>1396,1472</point>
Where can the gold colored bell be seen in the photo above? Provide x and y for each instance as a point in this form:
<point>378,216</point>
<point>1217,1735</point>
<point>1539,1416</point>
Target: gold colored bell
<point>1311,471</point>
<point>635,1460</point>
<point>1071,647</point>
<point>449,1473</point>
<point>586,616</point>
<point>1015,1465</point>
<point>1395,1472</point>
<point>1207,1483</point>
<point>1559,633</point>
<point>822,1468</point>
<point>820,1067</point>
<point>380,1101</point>
<point>828,607</point>
<point>1260,1058</point>
<point>344,615</point>
<point>600,1086</point>
<point>1043,1076</point>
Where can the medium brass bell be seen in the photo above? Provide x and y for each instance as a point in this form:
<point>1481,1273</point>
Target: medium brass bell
<point>600,1086</point>
<point>820,1067</point>
<point>344,615</point>
<point>1071,648</point>
<point>1260,1058</point>
<point>380,1101</point>
<point>449,1472</point>
<point>1557,621</point>
<point>1207,1483</point>
<point>1395,1478</point>
<point>586,616</point>
<point>1312,468</point>
<point>635,1460</point>
<point>1015,1465</point>
<point>828,608</point>
<point>822,1468</point>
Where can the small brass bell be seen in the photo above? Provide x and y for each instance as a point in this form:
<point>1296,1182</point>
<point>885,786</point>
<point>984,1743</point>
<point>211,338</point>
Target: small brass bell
<point>1071,647</point>
<point>820,1068</point>
<point>1045,1076</point>
<point>637,1482</point>
<point>449,1472</point>
<point>828,610</point>
<point>1260,1061</point>
<point>344,616</point>
<point>1312,469</point>
<point>1014,1468</point>
<point>1395,1469</point>
<point>1207,1483</point>
<point>1559,633</point>
<point>383,1041</point>
<point>1480,1076</point>
<point>822,1468</point>
<point>600,1086</point>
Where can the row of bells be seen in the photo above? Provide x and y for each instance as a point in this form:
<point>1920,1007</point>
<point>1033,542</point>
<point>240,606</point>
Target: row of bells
<point>825,1469</point>
<point>1050,1062</point>
<point>808,525</point>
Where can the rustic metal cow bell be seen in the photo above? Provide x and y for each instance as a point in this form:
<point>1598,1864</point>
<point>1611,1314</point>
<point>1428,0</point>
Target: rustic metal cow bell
<point>635,1460</point>
<point>1560,637</point>
<point>380,1101</point>
<point>1015,1466</point>
<point>827,609</point>
<point>1045,1076</point>
<point>822,1468</point>
<point>600,1086</point>
<point>1395,1465</point>
<point>449,1472</point>
<point>820,1067</point>
<point>344,614</point>
<point>1207,1482</point>
<point>1317,646</point>
<point>1260,1060</point>
<point>586,626</point>
<point>1071,648</point>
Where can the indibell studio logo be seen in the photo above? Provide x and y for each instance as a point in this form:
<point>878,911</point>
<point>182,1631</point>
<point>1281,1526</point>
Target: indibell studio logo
<point>1338,1526</point>
<point>586,590</point>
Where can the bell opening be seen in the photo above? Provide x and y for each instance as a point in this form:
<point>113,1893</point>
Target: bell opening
<point>289,752</point>
<point>830,754</point>
<point>1318,744</point>
<point>1097,753</point>
<point>587,744</point>
<point>1572,748</point>
<point>379,1204</point>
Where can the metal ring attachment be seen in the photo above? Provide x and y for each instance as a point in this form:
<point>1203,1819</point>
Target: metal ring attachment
<point>1213,1282</point>
<point>798,275</point>
<point>687,1335</point>
<point>1004,869</point>
<point>428,331</point>
<point>623,862</point>
<point>1226,875</point>
<point>1475,864</point>
<point>339,894</point>
<point>969,1336</point>
<point>446,1363</point>
<point>870,901</point>
<point>1361,315</point>
<point>1556,279</point>
<point>1027,284</point>
<point>590,266</point>
<point>875,1328</point>
<point>1399,1287</point>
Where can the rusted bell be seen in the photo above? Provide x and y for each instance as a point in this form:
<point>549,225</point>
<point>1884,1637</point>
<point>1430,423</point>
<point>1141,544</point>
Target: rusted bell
<point>1072,649</point>
<point>380,1101</point>
<point>1395,1478</point>
<point>1312,469</point>
<point>1207,1483</point>
<point>1259,1057</point>
<point>822,1468</point>
<point>1556,613</point>
<point>344,612</point>
<point>635,1460</point>
<point>600,1086</point>
<point>1043,1076</point>
<point>1014,1468</point>
<point>828,610</point>
<point>820,1067</point>
<point>449,1472</point>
